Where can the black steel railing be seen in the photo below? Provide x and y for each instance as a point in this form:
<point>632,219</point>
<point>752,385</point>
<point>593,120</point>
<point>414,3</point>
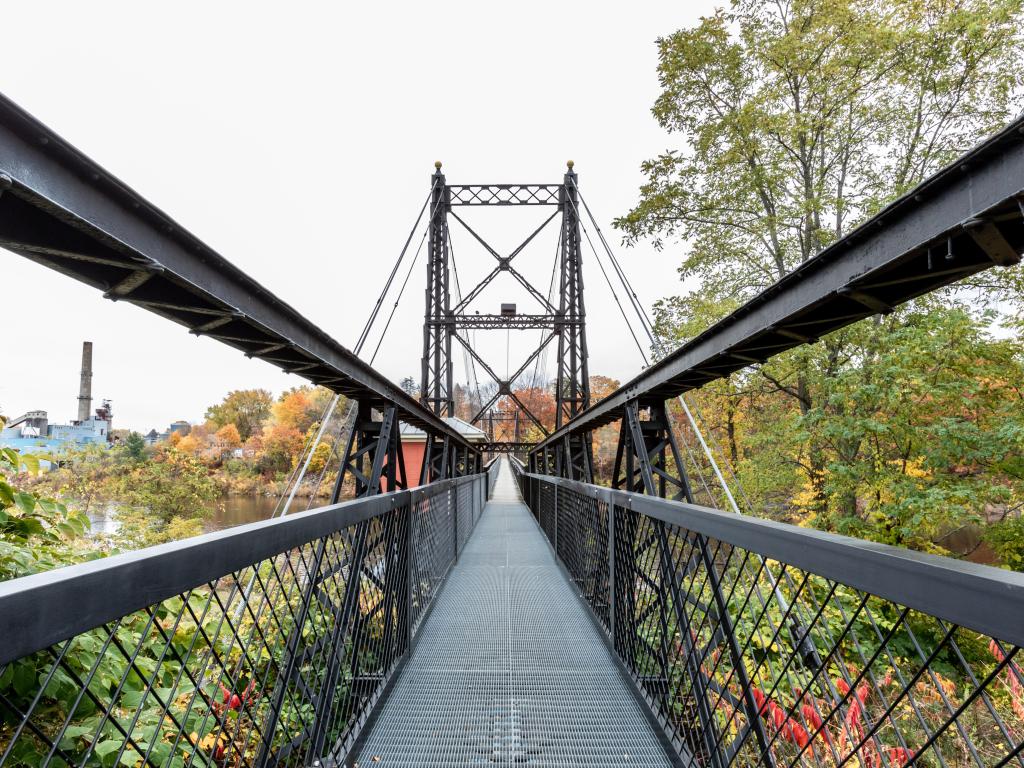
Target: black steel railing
<point>759,643</point>
<point>266,644</point>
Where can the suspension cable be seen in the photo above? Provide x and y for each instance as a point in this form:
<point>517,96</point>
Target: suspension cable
<point>775,578</point>
<point>312,443</point>
<point>542,357</point>
<point>469,364</point>
<point>659,348</point>
<point>643,355</point>
<point>398,298</point>
<point>390,280</point>
<point>622,311</point>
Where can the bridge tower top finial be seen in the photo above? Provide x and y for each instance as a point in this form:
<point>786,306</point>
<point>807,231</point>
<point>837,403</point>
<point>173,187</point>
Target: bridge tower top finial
<point>437,164</point>
<point>569,164</point>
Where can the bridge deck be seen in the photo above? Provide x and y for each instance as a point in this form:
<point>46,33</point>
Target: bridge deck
<point>508,668</point>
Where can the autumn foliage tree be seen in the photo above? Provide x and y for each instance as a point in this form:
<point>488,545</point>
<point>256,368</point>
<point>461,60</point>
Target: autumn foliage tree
<point>228,436</point>
<point>247,409</point>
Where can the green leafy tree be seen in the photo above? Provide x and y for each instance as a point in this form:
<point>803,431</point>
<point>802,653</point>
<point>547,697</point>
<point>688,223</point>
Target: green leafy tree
<point>795,121</point>
<point>173,485</point>
<point>247,409</point>
<point>134,446</point>
<point>925,433</point>
<point>36,533</point>
<point>84,476</point>
<point>798,118</point>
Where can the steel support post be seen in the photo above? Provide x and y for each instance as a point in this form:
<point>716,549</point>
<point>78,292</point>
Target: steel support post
<point>436,464</point>
<point>292,651</point>
<point>612,624</point>
<point>410,570</point>
<point>742,676</point>
<point>325,700</point>
<point>651,442</point>
<point>554,516</point>
<point>647,457</point>
<point>709,732</point>
<point>453,505</point>
<point>373,452</point>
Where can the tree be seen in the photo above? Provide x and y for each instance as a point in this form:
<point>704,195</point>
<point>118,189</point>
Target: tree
<point>36,533</point>
<point>539,401</point>
<point>797,120</point>
<point>606,438</point>
<point>925,439</point>
<point>800,117</point>
<point>174,484</point>
<point>301,407</point>
<point>321,456</point>
<point>190,443</point>
<point>228,437</point>
<point>134,446</point>
<point>601,387</point>
<point>280,445</point>
<point>247,409</point>
<point>84,476</point>
<point>410,387</point>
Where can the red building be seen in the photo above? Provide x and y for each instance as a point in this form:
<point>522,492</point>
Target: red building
<point>414,443</point>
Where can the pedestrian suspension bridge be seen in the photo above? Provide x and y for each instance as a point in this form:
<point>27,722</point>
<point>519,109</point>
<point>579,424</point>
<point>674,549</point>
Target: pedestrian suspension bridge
<point>495,602</point>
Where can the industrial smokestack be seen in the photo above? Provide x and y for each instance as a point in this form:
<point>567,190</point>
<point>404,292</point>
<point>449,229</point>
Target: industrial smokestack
<point>85,386</point>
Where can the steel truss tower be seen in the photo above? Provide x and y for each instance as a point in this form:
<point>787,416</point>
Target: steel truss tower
<point>573,381</point>
<point>437,383</point>
<point>566,319</point>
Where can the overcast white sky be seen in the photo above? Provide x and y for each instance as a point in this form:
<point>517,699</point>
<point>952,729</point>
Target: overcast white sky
<point>297,139</point>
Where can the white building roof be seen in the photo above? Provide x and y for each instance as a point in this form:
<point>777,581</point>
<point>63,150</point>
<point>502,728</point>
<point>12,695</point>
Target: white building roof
<point>464,428</point>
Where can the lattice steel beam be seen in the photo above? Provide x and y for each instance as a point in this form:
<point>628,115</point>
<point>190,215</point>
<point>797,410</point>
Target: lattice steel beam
<point>504,194</point>
<point>572,385</point>
<point>515,322</point>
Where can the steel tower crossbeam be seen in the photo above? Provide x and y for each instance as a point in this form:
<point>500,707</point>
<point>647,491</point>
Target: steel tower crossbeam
<point>505,264</point>
<point>505,194</point>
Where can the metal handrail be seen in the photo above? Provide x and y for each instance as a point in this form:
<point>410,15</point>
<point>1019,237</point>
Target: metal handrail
<point>980,597</point>
<point>39,610</point>
<point>268,643</point>
<point>755,642</point>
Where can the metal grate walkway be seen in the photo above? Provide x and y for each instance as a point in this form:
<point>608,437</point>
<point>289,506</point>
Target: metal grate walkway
<point>508,668</point>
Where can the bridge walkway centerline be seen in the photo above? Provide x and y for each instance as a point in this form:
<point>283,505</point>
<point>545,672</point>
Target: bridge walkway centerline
<point>509,668</point>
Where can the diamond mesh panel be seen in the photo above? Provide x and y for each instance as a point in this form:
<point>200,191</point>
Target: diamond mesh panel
<point>274,662</point>
<point>508,668</point>
<point>754,661</point>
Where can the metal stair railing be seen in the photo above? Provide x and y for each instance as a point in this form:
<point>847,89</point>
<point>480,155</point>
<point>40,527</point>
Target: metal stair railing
<point>263,645</point>
<point>758,643</point>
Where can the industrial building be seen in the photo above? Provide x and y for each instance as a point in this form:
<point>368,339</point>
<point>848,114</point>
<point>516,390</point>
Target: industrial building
<point>33,432</point>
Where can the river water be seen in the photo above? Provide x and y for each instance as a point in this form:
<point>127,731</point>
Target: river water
<point>227,513</point>
<point>238,510</point>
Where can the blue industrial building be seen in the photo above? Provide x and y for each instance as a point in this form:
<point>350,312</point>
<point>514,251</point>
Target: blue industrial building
<point>32,432</point>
